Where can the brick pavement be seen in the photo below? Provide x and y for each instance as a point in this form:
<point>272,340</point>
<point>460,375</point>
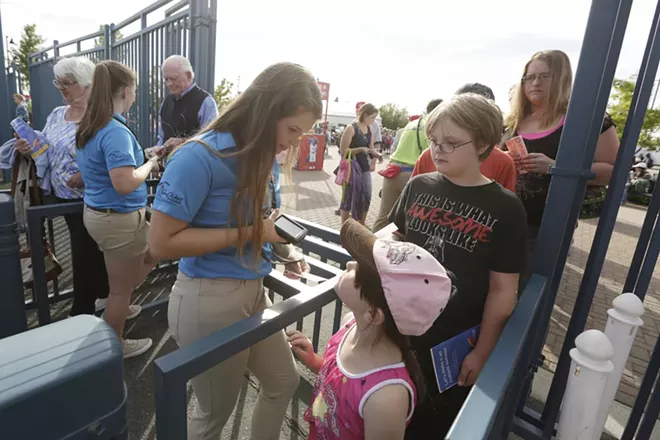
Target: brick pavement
<point>314,196</point>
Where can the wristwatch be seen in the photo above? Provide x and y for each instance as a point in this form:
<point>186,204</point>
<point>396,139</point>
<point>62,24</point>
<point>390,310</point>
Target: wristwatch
<point>550,168</point>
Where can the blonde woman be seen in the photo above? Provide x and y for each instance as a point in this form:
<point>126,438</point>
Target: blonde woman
<point>538,111</point>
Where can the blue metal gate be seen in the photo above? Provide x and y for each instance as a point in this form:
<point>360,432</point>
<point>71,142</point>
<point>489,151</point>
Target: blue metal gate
<point>499,398</point>
<point>187,29</point>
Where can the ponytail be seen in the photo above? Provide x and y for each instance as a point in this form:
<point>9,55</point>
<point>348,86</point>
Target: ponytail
<point>109,78</point>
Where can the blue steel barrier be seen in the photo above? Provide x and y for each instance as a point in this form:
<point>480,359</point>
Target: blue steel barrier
<point>187,29</point>
<point>593,81</point>
<point>607,220</point>
<point>12,314</point>
<point>41,298</point>
<point>499,385</point>
<point>173,370</point>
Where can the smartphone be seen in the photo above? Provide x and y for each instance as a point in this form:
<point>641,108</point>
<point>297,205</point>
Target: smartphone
<point>289,230</point>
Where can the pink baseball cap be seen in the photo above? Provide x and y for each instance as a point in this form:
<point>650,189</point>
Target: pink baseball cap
<point>416,286</point>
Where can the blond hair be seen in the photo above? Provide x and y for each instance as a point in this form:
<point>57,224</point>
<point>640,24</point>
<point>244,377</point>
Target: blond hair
<point>19,97</point>
<point>556,103</point>
<point>477,115</point>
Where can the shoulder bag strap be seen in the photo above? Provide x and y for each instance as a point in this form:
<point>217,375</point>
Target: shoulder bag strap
<point>14,173</point>
<point>35,196</point>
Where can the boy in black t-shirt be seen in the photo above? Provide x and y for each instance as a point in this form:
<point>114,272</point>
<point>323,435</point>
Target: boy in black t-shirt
<point>477,230</point>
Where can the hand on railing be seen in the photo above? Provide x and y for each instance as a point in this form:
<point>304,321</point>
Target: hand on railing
<point>304,350</point>
<point>472,365</point>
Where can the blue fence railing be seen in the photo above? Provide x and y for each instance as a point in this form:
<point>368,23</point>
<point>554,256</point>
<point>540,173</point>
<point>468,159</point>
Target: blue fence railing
<point>184,28</point>
<point>173,371</point>
<point>593,81</point>
<point>497,403</point>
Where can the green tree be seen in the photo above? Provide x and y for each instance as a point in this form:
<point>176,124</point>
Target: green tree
<point>393,116</point>
<point>100,41</point>
<point>618,110</point>
<point>223,93</point>
<point>30,43</point>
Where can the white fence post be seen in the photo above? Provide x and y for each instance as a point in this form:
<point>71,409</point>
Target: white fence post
<point>622,324</point>
<point>590,367</point>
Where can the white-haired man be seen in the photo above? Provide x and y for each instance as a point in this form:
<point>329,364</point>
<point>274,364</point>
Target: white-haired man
<point>187,108</point>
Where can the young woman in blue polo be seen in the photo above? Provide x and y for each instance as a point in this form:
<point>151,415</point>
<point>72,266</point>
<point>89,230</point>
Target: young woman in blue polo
<point>113,171</point>
<point>209,212</point>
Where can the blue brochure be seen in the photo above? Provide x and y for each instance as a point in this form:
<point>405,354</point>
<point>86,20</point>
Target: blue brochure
<point>448,357</point>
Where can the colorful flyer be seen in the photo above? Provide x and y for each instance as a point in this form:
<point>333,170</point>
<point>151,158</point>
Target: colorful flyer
<point>37,141</point>
<point>516,145</point>
<point>448,357</point>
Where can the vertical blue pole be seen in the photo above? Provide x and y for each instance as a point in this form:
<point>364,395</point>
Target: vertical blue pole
<point>643,242</point>
<point>213,13</point>
<point>5,128</point>
<point>650,416</point>
<point>649,262</point>
<point>607,221</point>
<point>143,90</point>
<point>107,40</point>
<point>12,302</point>
<point>201,45</point>
<point>643,395</point>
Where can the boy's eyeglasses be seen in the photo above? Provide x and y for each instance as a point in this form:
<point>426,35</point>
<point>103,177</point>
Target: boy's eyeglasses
<point>444,147</point>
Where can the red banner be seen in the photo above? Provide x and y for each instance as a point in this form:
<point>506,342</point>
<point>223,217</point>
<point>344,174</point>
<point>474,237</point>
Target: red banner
<point>312,152</point>
<point>325,90</point>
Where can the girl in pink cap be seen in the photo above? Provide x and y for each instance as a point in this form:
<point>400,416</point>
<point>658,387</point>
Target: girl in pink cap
<point>369,381</point>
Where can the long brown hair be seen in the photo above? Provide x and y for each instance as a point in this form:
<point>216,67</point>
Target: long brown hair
<point>558,96</point>
<point>282,90</point>
<point>371,290</point>
<point>110,77</point>
<point>366,110</point>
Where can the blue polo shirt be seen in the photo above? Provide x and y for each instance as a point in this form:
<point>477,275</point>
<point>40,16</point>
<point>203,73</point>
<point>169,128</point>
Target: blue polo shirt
<point>197,188</point>
<point>113,146</point>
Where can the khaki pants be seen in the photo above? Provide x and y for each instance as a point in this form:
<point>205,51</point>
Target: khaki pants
<point>199,307</point>
<point>392,189</point>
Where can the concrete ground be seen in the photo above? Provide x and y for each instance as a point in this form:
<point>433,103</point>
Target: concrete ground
<point>314,196</point>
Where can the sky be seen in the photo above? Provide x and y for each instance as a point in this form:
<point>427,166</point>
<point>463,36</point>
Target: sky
<point>381,51</point>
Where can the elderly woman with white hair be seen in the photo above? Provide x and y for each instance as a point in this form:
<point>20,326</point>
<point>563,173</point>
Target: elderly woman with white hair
<point>73,78</point>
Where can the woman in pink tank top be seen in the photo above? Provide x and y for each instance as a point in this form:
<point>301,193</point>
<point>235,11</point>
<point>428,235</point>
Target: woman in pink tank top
<point>369,380</point>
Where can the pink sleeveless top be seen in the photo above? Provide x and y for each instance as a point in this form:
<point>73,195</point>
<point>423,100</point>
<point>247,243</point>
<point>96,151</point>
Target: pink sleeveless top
<point>339,396</point>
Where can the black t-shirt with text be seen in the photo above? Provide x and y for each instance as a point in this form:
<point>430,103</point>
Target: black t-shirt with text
<point>471,231</point>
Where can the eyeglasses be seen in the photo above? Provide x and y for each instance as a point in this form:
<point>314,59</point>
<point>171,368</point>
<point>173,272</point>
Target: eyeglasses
<point>445,147</point>
<point>64,84</point>
<point>534,76</point>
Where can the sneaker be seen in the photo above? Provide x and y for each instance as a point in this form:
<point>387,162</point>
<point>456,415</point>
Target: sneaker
<point>133,311</point>
<point>100,304</point>
<point>136,347</point>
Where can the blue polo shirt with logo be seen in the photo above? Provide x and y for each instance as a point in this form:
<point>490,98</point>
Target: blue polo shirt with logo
<point>113,146</point>
<point>197,187</point>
